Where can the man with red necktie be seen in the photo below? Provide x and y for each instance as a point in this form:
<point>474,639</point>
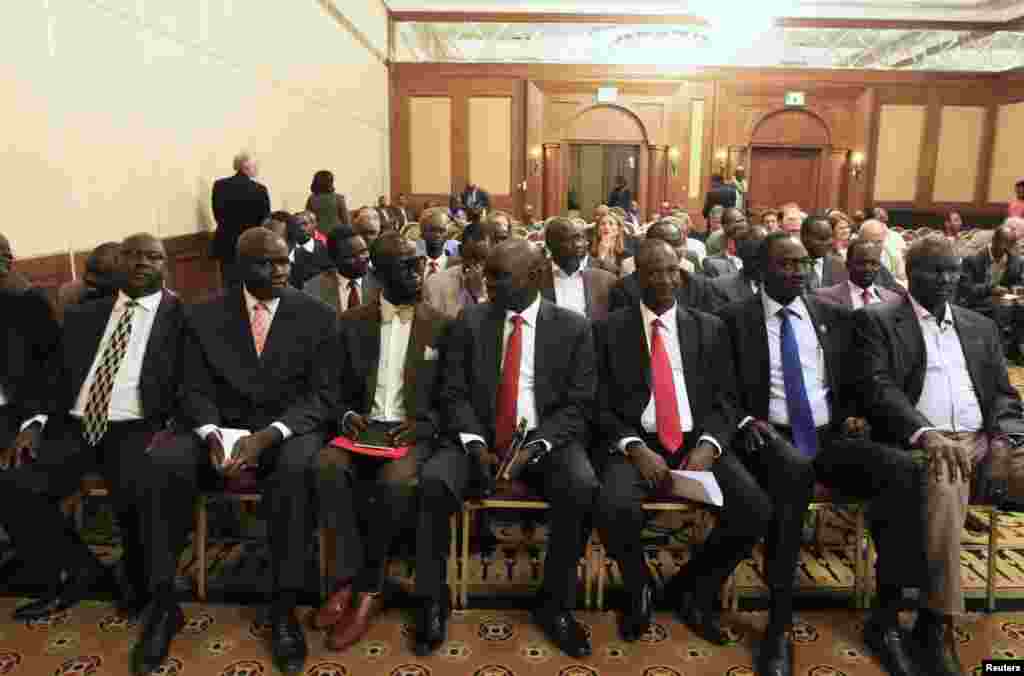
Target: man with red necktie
<point>516,358</point>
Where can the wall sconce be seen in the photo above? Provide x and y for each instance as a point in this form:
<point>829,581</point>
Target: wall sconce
<point>856,165</point>
<point>535,155</point>
<point>721,157</point>
<point>673,160</point>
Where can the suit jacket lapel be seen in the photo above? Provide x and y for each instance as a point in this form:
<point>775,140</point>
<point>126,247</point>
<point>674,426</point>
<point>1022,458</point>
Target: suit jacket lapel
<point>760,362</point>
<point>974,353</point>
<point>686,331</point>
<point>547,284</point>
<point>820,330</point>
<point>370,351</point>
<point>91,338</point>
<point>908,332</point>
<point>419,338</point>
<point>159,332</point>
<point>640,345</point>
<point>587,290</point>
<point>242,330</point>
<point>279,335</point>
<point>492,337</point>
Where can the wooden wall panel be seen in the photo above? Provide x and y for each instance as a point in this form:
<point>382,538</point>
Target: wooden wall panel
<point>959,150</point>
<point>430,149</point>
<point>490,143</point>
<point>901,133</point>
<point>1007,158</point>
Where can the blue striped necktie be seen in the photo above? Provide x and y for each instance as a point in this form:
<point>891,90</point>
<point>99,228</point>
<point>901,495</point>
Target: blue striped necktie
<point>801,420</point>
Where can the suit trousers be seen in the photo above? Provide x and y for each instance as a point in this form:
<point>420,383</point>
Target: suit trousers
<point>181,468</point>
<point>565,478</point>
<point>30,496</point>
<point>366,502</point>
<point>9,422</point>
<point>745,516</point>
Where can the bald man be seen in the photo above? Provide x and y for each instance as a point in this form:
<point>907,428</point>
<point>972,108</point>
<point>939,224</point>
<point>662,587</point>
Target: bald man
<point>239,202</point>
<point>875,231</point>
<point>260,359</point>
<point>892,244</point>
<point>112,386</point>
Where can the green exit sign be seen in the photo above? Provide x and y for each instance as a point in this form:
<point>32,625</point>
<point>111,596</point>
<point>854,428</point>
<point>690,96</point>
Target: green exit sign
<point>795,99</point>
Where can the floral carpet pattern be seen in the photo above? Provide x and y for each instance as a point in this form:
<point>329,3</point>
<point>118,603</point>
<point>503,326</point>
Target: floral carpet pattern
<point>232,641</point>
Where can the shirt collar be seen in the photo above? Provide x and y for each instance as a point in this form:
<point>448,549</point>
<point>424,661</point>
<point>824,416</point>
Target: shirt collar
<point>666,318</point>
<point>923,314</point>
<point>529,314</point>
<point>343,278</point>
<point>148,302</point>
<point>772,307</point>
<point>310,246</point>
<point>857,290</point>
<point>251,300</point>
<point>559,272</point>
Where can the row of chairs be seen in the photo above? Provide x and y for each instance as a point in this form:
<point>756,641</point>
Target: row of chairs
<point>595,566</point>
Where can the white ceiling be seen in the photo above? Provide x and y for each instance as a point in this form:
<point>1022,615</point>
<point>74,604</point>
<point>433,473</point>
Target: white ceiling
<point>928,10</point>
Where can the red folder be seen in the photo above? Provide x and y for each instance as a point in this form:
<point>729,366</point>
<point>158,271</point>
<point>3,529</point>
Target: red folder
<point>392,452</point>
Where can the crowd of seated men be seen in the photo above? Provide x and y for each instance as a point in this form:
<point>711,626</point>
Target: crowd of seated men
<point>609,360</point>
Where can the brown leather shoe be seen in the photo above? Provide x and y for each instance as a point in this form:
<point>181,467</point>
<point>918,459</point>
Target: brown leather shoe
<point>348,633</point>
<point>332,611</point>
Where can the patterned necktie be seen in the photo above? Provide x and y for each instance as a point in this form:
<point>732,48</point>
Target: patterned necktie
<point>801,419</point>
<point>260,322</point>
<point>97,404</point>
<point>353,294</point>
<point>508,391</point>
<point>866,296</point>
<point>666,407</point>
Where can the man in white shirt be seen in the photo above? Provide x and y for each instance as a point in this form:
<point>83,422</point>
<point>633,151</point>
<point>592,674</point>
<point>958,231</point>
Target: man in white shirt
<point>388,363</point>
<point>932,377</point>
<point>518,362</point>
<point>863,263</point>
<point>571,283</point>
<point>114,385</point>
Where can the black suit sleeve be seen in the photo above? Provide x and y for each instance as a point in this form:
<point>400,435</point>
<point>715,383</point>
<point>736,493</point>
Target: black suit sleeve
<point>313,408</point>
<point>611,424</point>
<point>568,421</point>
<point>617,297</point>
<point>219,213</point>
<point>975,286</point>
<point>199,396</point>
<point>721,379</point>
<point>351,388</point>
<point>1005,414</point>
<point>44,351</point>
<point>264,204</point>
<point>456,394</point>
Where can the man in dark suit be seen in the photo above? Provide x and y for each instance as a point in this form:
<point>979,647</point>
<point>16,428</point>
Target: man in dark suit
<point>721,194</point>
<point>734,227</point>
<point>863,263</point>
<point>401,213</point>
<point>620,196</point>
<point>239,202</point>
<point>991,273</point>
<point>99,280</point>
<point>111,386</point>
<point>547,378</point>
<point>474,197</point>
<point>666,401</point>
<point>308,257</point>
<point>694,291</point>
<point>569,282</point>
<point>260,359</point>
<point>798,426</point>
<point>931,376</point>
<point>826,268</point>
<point>747,282</point>
<point>388,352</point>
<point>351,283</point>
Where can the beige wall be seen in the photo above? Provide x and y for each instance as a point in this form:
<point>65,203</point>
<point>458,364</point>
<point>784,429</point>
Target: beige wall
<point>120,114</point>
<point>430,133</point>
<point>490,143</point>
<point>900,133</point>
<point>960,137</point>
<point>1007,159</point>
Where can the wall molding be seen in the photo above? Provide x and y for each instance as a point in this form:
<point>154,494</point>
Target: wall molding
<point>361,37</point>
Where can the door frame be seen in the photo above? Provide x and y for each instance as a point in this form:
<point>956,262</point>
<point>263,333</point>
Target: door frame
<point>641,166</point>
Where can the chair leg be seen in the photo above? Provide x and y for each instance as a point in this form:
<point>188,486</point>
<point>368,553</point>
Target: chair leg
<point>993,542</point>
<point>467,529</point>
<point>199,538</point>
<point>454,579</point>
<point>859,569</point>
<point>602,576</point>
<point>321,548</point>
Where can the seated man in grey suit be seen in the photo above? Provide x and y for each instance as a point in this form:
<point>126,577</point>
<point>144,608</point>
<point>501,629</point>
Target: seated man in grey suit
<point>727,262</point>
<point>863,261</point>
<point>352,282</point>
<point>747,282</point>
<point>827,268</point>
<point>461,284</point>
<point>569,282</point>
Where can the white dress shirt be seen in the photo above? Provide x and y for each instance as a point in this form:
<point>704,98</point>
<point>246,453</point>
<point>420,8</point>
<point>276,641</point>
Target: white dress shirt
<point>569,289</point>
<point>389,397</point>
<point>3,397</point>
<point>812,361</point>
<point>857,296</point>
<point>250,302</point>
<point>698,247</point>
<point>125,400</point>
<point>671,340</point>
<point>309,246</point>
<point>526,401</point>
<point>736,260</point>
<point>819,269</point>
<point>948,399</point>
<point>343,287</point>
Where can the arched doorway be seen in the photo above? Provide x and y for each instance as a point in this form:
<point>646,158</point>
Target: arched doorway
<point>789,154</point>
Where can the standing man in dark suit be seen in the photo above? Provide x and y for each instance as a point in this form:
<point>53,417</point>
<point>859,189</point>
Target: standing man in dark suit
<point>259,359</point>
<point>239,202</point>
<point>112,385</point>
<point>932,376</point>
<point>747,282</point>
<point>351,283</point>
<point>569,282</point>
<point>826,268</point>
<point>797,427</point>
<point>863,262</point>
<point>388,352</point>
<point>693,291</point>
<point>620,196</point>
<point>518,357</point>
<point>474,197</point>
<point>721,194</point>
<point>666,401</point>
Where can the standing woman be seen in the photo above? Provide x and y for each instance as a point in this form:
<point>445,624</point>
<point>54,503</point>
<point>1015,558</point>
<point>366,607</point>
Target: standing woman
<point>608,249</point>
<point>840,223</point>
<point>329,206</point>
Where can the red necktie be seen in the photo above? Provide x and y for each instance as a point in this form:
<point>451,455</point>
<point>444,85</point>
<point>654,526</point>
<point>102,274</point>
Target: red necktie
<point>433,267</point>
<point>666,408</point>
<point>353,294</point>
<point>508,391</point>
<point>866,295</point>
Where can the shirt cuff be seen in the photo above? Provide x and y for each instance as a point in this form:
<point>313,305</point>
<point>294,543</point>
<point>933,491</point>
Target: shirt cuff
<point>917,435</point>
<point>547,444</point>
<point>713,442</point>
<point>624,442</point>
<point>467,439</point>
<point>41,419</point>
<point>743,423</point>
<point>204,431</point>
<point>283,429</point>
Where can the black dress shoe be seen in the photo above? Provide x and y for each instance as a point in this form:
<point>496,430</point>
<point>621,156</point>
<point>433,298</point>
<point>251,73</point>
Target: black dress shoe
<point>775,658</point>
<point>164,621</point>
<point>287,643</point>
<point>563,630</point>
<point>431,627</point>
<point>65,595</point>
<point>892,647</point>
<point>936,648</point>
<point>703,618</point>
<point>637,620</point>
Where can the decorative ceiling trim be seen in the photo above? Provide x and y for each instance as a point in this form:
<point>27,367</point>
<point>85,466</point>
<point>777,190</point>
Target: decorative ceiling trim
<point>360,36</point>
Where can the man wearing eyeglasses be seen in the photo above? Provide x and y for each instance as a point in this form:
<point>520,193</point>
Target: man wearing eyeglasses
<point>798,428</point>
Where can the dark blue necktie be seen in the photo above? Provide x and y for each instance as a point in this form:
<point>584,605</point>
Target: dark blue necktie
<point>801,420</point>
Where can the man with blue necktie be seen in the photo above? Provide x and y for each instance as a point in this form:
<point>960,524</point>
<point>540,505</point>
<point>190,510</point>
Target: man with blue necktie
<point>797,428</point>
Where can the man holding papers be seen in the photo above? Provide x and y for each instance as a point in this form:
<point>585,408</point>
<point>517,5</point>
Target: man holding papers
<point>260,359</point>
<point>388,354</point>
<point>666,403</point>
<point>797,427</point>
<point>517,357</point>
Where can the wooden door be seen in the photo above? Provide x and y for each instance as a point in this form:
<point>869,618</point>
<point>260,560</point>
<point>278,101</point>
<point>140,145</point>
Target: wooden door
<point>781,175</point>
